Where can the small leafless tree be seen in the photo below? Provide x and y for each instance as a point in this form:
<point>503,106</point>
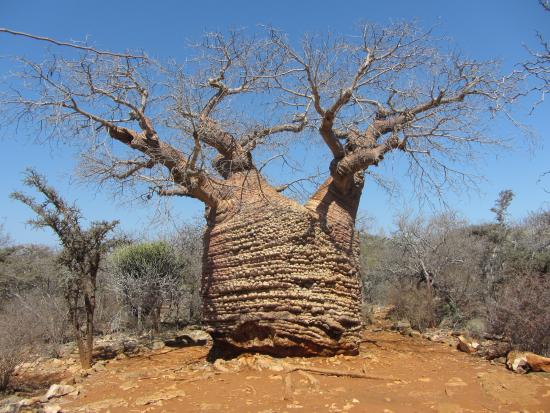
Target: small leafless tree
<point>207,130</point>
<point>434,266</point>
<point>81,256</point>
<point>188,244</point>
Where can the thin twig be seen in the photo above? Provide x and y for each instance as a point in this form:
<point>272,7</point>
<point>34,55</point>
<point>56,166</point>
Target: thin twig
<point>75,46</point>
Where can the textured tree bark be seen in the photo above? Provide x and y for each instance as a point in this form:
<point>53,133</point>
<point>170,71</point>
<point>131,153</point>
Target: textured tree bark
<point>279,277</point>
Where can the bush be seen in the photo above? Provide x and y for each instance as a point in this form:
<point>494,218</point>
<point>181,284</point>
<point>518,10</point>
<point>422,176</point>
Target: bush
<point>26,267</point>
<point>416,305</point>
<point>188,245</point>
<point>11,354</point>
<point>476,327</point>
<point>111,313</point>
<point>16,344</point>
<point>42,316</point>
<point>521,312</point>
<point>45,316</point>
<point>145,276</point>
<point>490,277</point>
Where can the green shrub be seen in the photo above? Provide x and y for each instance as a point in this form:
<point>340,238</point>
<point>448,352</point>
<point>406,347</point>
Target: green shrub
<point>144,276</point>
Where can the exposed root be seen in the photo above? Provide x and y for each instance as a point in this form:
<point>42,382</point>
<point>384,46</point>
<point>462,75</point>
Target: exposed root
<point>336,373</point>
<point>369,341</point>
<point>288,390</point>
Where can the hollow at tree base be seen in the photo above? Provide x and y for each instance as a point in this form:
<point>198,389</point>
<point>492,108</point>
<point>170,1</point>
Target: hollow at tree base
<point>227,350</point>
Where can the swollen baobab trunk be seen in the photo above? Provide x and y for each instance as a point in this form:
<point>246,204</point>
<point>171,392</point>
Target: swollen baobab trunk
<point>282,278</point>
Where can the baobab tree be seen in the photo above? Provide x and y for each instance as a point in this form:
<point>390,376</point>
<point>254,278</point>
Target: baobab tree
<point>279,276</point>
<point>81,256</point>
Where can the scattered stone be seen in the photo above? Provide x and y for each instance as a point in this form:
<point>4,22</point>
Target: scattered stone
<point>260,362</point>
<point>158,345</point>
<point>402,326</point>
<point>8,408</point>
<point>254,362</point>
<point>491,350</point>
<point>499,360</point>
<point>435,336</point>
<point>106,351</point>
<point>348,406</point>
<point>166,394</point>
<point>32,401</point>
<point>7,404</point>
<point>52,408</point>
<point>222,365</point>
<point>99,366</point>
<point>105,404</point>
<point>523,362</point>
<point>466,344</point>
<point>414,333</point>
<point>70,381</point>
<point>130,347</point>
<point>189,338</point>
<point>59,390</point>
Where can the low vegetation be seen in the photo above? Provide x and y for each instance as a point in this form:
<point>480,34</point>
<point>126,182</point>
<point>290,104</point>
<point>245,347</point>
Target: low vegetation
<point>146,277</point>
<point>34,309</point>
<point>490,278</point>
<point>443,271</point>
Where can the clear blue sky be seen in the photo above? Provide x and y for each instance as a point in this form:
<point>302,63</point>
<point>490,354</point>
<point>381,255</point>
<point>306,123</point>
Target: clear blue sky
<point>482,29</point>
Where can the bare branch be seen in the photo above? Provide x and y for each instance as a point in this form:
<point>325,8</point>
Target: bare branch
<point>73,45</point>
<point>390,88</point>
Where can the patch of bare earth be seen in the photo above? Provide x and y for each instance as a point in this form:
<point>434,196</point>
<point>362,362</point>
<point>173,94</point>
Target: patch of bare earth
<point>395,374</point>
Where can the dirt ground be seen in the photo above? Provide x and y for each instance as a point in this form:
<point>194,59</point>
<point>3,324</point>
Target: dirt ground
<point>405,374</point>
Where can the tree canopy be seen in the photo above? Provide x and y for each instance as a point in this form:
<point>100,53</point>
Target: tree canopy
<point>239,101</point>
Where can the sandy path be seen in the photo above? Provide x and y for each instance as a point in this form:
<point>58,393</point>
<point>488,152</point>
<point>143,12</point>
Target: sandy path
<point>419,376</point>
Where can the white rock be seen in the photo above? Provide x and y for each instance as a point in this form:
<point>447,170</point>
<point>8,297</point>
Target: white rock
<point>52,408</point>
<point>158,345</point>
<point>58,390</point>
